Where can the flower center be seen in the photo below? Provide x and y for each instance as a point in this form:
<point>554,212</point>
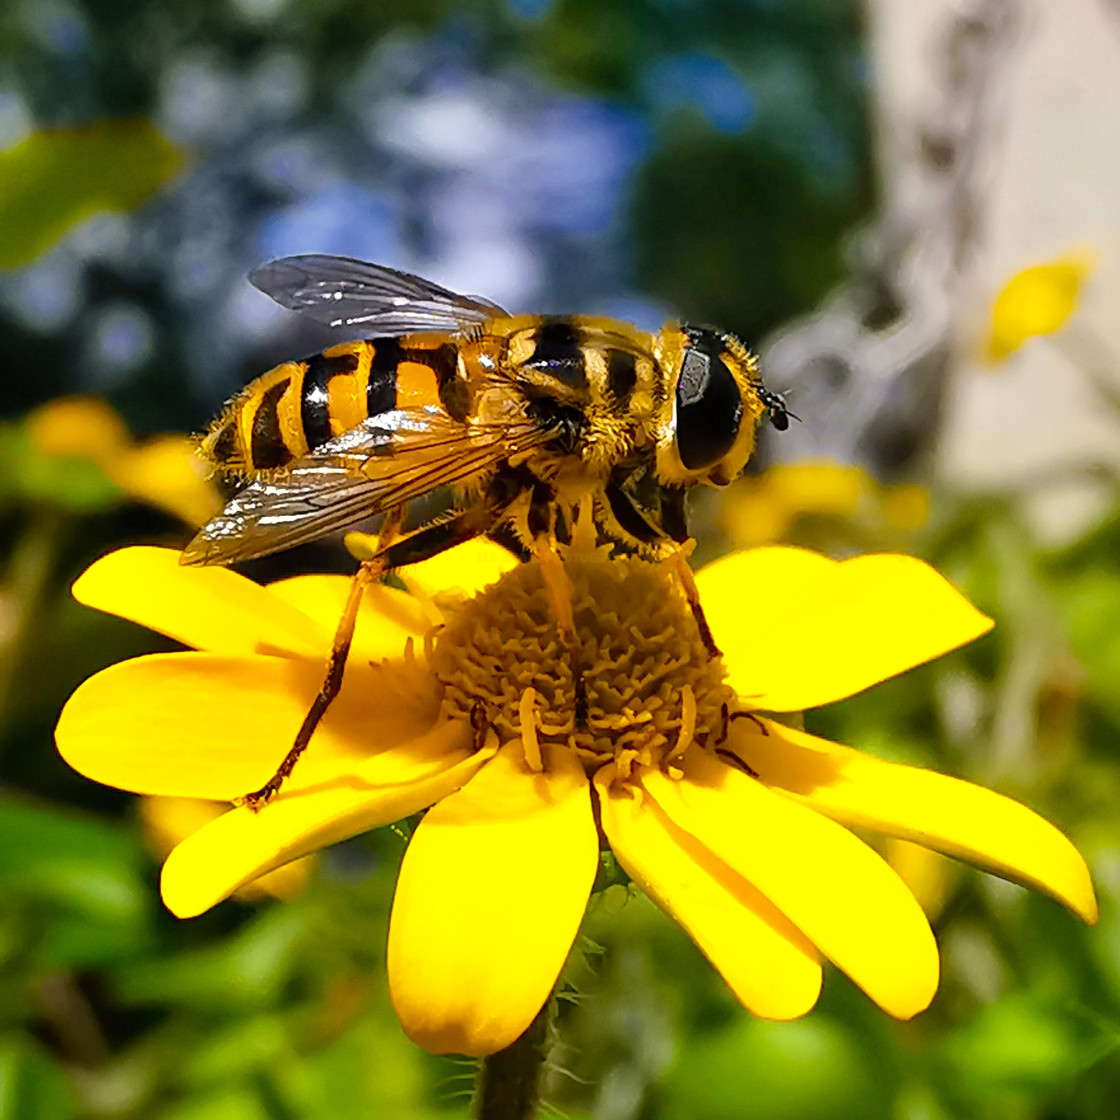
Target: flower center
<point>646,685</point>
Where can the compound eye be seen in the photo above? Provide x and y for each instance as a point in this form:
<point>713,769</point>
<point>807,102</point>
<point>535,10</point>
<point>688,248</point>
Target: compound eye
<point>709,409</point>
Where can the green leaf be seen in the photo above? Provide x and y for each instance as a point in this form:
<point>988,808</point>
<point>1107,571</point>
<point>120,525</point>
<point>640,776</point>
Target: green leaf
<point>1017,1049</point>
<point>246,971</point>
<point>32,1087</point>
<point>1091,605</point>
<point>753,1070</point>
<point>73,482</point>
<point>384,1075</point>
<point>78,885</point>
<point>237,1103</point>
<point>55,178</point>
<point>232,1051</point>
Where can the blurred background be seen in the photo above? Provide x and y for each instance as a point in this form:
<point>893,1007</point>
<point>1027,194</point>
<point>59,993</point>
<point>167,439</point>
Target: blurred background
<point>909,207</point>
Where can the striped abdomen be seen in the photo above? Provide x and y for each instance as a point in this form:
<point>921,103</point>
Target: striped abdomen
<point>298,406</point>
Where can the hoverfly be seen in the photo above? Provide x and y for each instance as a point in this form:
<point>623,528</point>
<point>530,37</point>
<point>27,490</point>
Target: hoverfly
<point>518,419</point>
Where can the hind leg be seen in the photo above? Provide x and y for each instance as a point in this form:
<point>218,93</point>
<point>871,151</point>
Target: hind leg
<point>336,667</point>
<point>425,542</point>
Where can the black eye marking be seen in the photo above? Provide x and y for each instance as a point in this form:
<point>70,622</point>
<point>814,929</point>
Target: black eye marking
<point>709,407</point>
<point>775,405</point>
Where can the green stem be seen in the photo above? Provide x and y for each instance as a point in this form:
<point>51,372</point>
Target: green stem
<point>30,567</point>
<point>509,1082</point>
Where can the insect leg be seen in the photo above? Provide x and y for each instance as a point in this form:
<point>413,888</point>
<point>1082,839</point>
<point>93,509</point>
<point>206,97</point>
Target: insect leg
<point>753,718</point>
<point>336,666</point>
<point>432,539</point>
<point>558,587</point>
<point>635,523</point>
<point>683,572</point>
<point>675,522</point>
<point>364,546</point>
<point>556,582</point>
<point>631,519</point>
<point>737,762</point>
<point>727,717</point>
<point>420,544</point>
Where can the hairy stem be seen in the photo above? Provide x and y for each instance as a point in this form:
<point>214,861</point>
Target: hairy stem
<point>509,1082</point>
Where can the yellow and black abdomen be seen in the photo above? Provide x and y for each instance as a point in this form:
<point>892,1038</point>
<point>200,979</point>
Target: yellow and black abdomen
<point>299,406</point>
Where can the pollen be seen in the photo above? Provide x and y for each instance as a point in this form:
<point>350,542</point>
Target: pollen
<point>633,682</point>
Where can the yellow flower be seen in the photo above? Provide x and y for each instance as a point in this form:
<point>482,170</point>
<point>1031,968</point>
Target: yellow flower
<point>928,875</point>
<point>765,508</point>
<point>735,826</point>
<point>164,471</point>
<point>168,820</point>
<point>1036,301</point>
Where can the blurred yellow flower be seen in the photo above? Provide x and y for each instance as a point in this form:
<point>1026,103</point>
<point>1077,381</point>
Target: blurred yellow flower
<point>168,820</point>
<point>733,822</point>
<point>905,506</point>
<point>1036,301</point>
<point>164,471</point>
<point>765,508</point>
<point>77,426</point>
<point>928,875</point>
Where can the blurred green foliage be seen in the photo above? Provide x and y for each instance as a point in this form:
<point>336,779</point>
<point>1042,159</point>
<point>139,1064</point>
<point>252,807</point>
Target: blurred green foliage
<point>55,178</point>
<point>109,1008</point>
<point>30,476</point>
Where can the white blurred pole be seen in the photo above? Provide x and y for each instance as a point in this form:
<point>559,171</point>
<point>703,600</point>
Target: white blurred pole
<point>997,131</point>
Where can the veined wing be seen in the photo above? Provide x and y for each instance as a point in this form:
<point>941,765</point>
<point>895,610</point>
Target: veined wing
<point>387,460</point>
<point>343,292</point>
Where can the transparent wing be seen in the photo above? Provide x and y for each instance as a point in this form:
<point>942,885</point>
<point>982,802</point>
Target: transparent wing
<point>342,292</point>
<point>386,461</point>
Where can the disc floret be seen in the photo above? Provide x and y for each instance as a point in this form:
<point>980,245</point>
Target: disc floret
<point>634,681</point>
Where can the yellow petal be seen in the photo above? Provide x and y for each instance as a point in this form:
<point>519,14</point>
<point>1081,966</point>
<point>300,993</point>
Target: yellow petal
<point>931,809</point>
<point>833,887</point>
<point>767,962</point>
<point>1036,301</point>
<point>467,568</point>
<point>905,507</point>
<point>200,725</point>
<point>242,845</point>
<point>281,882</point>
<point>490,897</point>
<point>167,473</point>
<point>76,426</point>
<point>929,876</point>
<point>208,608</point>
<point>167,821</point>
<point>798,630</point>
<point>755,518</point>
<point>386,620</point>
<point>761,510</point>
<point>822,487</point>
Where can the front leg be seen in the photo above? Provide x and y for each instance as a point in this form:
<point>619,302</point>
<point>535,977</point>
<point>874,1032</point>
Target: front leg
<point>669,538</point>
<point>542,531</point>
<point>674,519</point>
